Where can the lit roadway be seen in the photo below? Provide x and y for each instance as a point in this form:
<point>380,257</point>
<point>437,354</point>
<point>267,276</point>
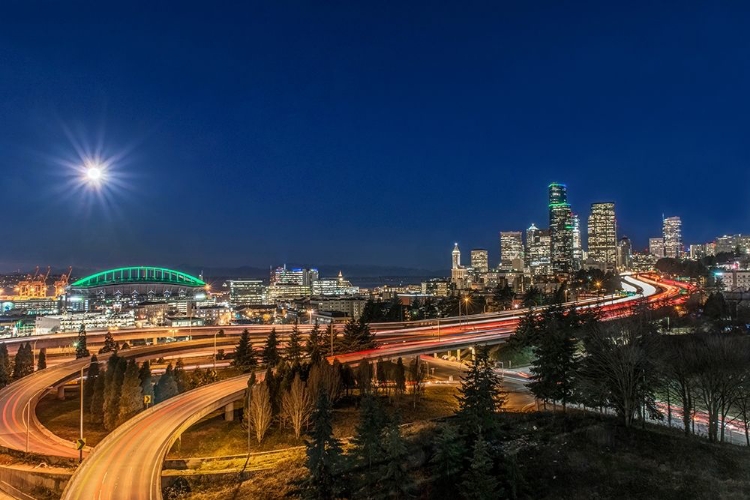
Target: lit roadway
<point>127,464</point>
<point>18,397</point>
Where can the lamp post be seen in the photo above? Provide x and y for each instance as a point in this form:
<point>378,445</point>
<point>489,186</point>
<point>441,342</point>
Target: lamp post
<point>215,334</point>
<point>80,452</point>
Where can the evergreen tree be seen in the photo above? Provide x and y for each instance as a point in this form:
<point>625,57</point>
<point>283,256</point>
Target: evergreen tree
<point>109,344</point>
<point>294,348</point>
<point>166,387</point>
<point>23,363</point>
<point>144,375</point>
<point>367,448</point>
<point>364,377</point>
<point>112,391</point>
<point>328,340</point>
<point>481,397</point>
<point>5,369</point>
<point>181,377</point>
<point>479,483</point>
<point>357,336</point>
<point>88,386</point>
<point>270,353</point>
<point>97,400</point>
<point>313,345</point>
<point>394,478</point>
<point>399,377</point>
<point>41,360</point>
<point>554,367</point>
<point>244,357</point>
<point>323,453</point>
<point>81,350</point>
<point>131,394</point>
<point>448,459</point>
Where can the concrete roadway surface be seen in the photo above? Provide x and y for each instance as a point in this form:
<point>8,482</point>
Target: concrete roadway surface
<point>127,464</point>
<point>19,399</point>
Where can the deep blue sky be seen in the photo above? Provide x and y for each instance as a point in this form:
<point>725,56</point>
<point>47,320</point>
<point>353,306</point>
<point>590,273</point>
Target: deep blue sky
<point>363,132</point>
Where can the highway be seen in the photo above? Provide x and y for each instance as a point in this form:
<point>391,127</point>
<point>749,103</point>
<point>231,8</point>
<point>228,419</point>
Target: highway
<point>18,397</point>
<point>127,464</point>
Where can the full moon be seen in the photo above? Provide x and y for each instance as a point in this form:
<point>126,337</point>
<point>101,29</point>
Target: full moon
<point>94,174</point>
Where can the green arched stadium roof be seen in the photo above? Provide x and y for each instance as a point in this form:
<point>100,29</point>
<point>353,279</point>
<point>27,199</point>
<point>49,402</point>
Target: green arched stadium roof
<point>130,275</point>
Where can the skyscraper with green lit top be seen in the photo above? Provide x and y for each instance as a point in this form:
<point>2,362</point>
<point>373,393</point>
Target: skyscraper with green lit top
<point>561,229</point>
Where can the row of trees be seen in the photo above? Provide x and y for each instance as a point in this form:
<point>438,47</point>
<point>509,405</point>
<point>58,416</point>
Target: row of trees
<point>115,393</point>
<point>377,464</point>
<point>286,395</point>
<point>628,366</point>
<point>319,344</point>
<point>22,363</point>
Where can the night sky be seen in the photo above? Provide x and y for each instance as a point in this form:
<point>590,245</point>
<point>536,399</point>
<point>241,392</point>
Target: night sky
<point>362,132</point>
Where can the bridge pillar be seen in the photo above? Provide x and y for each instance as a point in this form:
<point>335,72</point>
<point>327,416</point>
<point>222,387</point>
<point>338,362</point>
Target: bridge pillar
<point>434,355</point>
<point>229,412</point>
<point>61,393</point>
<point>458,355</point>
<point>155,341</point>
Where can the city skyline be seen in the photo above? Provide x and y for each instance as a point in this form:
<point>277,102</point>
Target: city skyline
<point>329,142</point>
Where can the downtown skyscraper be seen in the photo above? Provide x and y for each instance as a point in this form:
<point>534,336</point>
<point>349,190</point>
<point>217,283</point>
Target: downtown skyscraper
<point>672,228</point>
<point>602,233</point>
<point>561,229</point>
<point>511,250</point>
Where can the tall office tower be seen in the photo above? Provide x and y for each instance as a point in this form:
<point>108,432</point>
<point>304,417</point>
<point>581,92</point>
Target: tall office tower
<point>577,246</point>
<point>561,229</point>
<point>603,234</point>
<point>458,272</point>
<point>656,247</point>
<point>538,252</point>
<point>673,237</point>
<point>511,250</point>
<point>480,260</point>
<point>624,254</point>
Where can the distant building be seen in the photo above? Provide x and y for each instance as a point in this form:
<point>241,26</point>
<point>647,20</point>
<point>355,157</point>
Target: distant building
<point>577,243</point>
<point>289,284</point>
<point>602,232</point>
<point>624,254</point>
<point>735,280</point>
<point>673,237</point>
<point>511,250</point>
<point>697,252</point>
<point>459,274</point>
<point>656,247</point>
<point>539,252</point>
<point>351,306</point>
<point>480,260</point>
<point>560,229</point>
<point>92,321</point>
<point>247,292</point>
<point>333,286</point>
<point>436,287</point>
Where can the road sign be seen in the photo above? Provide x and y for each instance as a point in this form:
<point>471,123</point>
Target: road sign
<point>147,399</point>
<point>80,443</point>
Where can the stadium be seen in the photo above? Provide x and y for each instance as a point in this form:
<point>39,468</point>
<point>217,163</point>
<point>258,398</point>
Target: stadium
<point>137,282</point>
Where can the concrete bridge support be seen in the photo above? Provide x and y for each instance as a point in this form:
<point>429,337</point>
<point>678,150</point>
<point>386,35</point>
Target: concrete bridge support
<point>229,412</point>
<point>61,393</point>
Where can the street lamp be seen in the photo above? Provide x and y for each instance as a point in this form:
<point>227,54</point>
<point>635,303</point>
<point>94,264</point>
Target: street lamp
<point>215,334</point>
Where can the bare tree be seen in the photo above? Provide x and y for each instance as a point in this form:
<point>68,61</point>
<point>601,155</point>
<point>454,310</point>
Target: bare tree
<point>620,361</point>
<point>260,413</point>
<point>417,375</point>
<point>722,360</point>
<point>296,405</point>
